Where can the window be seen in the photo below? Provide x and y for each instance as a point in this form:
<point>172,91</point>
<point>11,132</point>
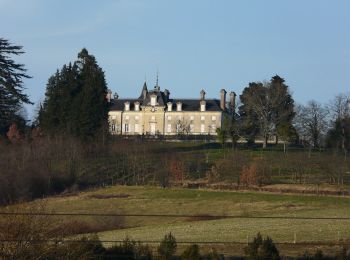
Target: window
<point>137,106</point>
<point>113,117</point>
<point>127,106</point>
<point>213,118</point>
<point>137,118</point>
<point>202,128</point>
<point>113,127</point>
<point>191,128</point>
<point>213,128</point>
<point>202,107</point>
<point>126,117</point>
<point>169,118</point>
<point>169,128</point>
<point>126,128</point>
<point>191,118</point>
<point>202,118</point>
<point>170,106</point>
<point>137,129</point>
<point>153,100</point>
<point>153,118</point>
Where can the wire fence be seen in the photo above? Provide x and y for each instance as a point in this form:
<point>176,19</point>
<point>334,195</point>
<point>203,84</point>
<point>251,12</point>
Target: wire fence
<point>168,216</point>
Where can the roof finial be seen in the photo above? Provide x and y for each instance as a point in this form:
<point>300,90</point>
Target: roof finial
<point>157,78</point>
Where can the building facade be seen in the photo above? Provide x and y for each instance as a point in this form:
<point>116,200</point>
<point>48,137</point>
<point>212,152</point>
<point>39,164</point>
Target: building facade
<point>155,113</point>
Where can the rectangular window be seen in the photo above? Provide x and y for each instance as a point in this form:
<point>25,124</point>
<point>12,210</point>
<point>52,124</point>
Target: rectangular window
<point>137,118</point>
<point>153,118</point>
<point>169,128</point>
<point>202,118</point>
<point>153,128</point>
<point>213,128</point>
<point>169,118</point>
<point>191,118</point>
<point>126,128</point>
<point>202,128</point>
<point>113,127</point>
<point>137,128</point>
<point>191,128</point>
<point>213,118</point>
<point>126,117</point>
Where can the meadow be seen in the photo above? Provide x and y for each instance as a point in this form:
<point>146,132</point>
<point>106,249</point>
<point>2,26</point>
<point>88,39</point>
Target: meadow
<point>215,217</point>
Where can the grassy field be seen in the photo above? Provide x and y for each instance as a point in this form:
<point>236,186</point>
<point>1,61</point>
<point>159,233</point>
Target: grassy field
<point>154,200</point>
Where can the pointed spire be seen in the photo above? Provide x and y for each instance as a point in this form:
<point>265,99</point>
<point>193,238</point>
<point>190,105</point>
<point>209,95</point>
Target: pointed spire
<point>156,87</point>
<point>144,91</point>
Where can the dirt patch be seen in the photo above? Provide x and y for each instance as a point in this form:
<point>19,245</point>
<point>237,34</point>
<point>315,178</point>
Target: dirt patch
<point>109,196</point>
<point>203,217</point>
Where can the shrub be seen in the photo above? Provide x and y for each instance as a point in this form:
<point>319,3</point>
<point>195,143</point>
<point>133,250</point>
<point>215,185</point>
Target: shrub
<point>213,255</point>
<point>167,247</point>
<point>257,173</point>
<point>129,249</point>
<point>261,249</point>
<point>191,253</point>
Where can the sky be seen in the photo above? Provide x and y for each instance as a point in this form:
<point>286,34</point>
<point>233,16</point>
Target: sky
<point>194,44</point>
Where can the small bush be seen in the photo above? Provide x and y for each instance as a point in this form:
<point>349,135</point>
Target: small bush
<point>167,247</point>
<point>261,249</point>
<point>191,253</point>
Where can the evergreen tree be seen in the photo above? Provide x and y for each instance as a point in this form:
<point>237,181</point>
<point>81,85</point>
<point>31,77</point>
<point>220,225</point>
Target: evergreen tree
<point>75,100</point>
<point>92,97</point>
<point>11,86</point>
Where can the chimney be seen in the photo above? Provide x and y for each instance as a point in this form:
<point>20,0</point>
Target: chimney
<point>232,101</point>
<point>202,94</point>
<point>109,95</point>
<point>223,99</point>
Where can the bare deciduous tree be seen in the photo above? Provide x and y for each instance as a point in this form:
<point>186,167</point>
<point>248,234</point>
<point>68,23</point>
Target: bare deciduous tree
<point>311,123</point>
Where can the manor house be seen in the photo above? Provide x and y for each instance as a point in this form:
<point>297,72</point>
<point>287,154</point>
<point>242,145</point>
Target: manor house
<point>154,112</point>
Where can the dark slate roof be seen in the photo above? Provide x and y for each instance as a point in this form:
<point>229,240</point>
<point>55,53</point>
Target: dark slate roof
<point>194,104</point>
<point>118,105</point>
<point>187,104</point>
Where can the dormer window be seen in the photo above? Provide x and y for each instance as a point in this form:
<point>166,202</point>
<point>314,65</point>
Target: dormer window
<point>170,106</point>
<point>137,106</point>
<point>153,100</point>
<point>178,106</point>
<point>202,103</point>
<point>127,106</point>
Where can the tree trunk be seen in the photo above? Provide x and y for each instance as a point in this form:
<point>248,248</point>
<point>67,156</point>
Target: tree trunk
<point>265,142</point>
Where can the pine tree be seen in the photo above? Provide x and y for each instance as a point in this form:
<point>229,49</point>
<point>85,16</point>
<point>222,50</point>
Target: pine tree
<point>93,104</point>
<point>11,85</point>
<point>75,100</point>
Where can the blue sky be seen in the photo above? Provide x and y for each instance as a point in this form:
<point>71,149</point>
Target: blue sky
<point>195,44</point>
